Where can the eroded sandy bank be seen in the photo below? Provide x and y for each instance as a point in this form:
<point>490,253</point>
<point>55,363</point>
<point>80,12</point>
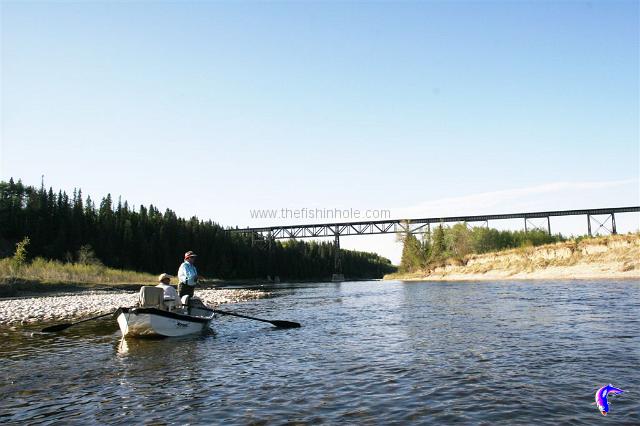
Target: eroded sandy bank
<point>612,257</point>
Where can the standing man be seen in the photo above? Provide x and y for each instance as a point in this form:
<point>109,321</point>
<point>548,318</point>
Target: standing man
<point>187,275</point>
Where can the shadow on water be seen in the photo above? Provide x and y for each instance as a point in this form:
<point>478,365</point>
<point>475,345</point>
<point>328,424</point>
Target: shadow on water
<point>150,348</point>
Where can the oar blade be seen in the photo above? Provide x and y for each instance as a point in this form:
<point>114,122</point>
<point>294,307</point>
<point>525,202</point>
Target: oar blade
<point>56,328</point>
<point>277,323</point>
<point>285,324</point>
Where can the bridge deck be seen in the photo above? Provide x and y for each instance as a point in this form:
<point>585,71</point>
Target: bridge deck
<point>412,225</point>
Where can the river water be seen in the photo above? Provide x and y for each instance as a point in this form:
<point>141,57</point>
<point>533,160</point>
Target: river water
<point>368,353</point>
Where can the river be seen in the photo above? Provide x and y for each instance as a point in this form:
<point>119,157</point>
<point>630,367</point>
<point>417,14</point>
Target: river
<point>368,353</point>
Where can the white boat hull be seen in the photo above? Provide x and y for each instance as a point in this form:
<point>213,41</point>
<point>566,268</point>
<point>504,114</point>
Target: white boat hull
<point>150,322</point>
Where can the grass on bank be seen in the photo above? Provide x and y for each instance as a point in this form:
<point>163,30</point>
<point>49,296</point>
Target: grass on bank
<point>86,269</point>
<point>53,271</point>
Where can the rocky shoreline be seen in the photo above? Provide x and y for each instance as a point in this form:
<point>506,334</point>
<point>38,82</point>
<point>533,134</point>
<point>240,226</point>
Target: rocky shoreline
<point>70,306</point>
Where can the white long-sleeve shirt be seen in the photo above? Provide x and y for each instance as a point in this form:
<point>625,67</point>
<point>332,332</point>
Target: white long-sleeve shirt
<point>170,292</point>
<point>187,274</point>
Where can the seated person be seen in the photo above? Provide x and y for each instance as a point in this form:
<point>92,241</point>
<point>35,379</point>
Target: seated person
<point>171,298</point>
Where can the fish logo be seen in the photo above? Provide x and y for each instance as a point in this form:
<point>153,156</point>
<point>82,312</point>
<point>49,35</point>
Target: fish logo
<point>601,397</point>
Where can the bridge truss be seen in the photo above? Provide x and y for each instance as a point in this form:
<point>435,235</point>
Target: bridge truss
<point>604,219</point>
<point>415,226</point>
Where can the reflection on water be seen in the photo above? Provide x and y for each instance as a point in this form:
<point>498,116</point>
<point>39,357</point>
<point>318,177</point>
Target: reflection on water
<point>368,352</point>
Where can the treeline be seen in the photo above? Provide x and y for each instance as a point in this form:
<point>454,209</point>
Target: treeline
<point>446,243</point>
<point>147,240</point>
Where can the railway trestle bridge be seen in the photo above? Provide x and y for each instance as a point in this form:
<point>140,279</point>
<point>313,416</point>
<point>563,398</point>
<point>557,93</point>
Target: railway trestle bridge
<point>602,219</point>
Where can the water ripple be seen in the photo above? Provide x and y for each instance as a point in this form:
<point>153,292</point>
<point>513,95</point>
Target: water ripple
<point>369,353</point>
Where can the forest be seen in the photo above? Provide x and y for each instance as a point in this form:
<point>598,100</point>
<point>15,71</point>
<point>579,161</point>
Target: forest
<point>454,243</point>
<point>66,227</point>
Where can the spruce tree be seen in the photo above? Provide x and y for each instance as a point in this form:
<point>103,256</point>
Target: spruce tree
<point>438,246</point>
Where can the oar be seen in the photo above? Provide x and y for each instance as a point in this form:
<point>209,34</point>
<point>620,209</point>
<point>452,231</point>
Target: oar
<point>64,326</point>
<point>277,323</point>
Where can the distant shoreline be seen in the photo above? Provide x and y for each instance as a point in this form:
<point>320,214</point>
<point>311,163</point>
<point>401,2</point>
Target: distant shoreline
<point>25,288</point>
<point>528,277</point>
<point>610,257</point>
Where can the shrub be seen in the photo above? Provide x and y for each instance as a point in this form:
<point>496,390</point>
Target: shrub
<point>20,256</point>
<point>86,256</point>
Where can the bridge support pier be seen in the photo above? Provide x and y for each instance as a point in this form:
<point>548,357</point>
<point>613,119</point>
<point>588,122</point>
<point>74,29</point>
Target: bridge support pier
<point>337,260</point>
<point>610,216</point>
<point>549,224</point>
<point>613,224</point>
<point>270,267</point>
<point>534,226</point>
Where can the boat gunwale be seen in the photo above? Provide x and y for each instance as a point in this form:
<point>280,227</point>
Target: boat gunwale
<point>168,314</point>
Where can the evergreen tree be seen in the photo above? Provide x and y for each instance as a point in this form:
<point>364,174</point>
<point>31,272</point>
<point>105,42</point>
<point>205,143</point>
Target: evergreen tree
<point>147,240</point>
<point>412,254</point>
<point>438,245</point>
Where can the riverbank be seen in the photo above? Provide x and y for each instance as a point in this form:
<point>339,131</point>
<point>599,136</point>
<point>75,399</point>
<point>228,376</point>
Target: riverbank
<point>26,288</point>
<point>51,276</point>
<point>70,306</point>
<point>608,257</point>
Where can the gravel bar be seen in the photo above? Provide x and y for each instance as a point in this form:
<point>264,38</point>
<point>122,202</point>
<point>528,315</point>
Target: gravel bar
<point>76,306</point>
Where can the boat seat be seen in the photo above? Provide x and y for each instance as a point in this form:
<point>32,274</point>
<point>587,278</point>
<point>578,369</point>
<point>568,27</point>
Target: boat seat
<point>171,304</point>
<point>151,297</point>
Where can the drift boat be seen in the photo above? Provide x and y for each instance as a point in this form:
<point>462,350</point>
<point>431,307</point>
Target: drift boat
<point>155,316</point>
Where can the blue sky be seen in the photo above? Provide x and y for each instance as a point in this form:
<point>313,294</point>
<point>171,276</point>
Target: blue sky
<point>421,108</point>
